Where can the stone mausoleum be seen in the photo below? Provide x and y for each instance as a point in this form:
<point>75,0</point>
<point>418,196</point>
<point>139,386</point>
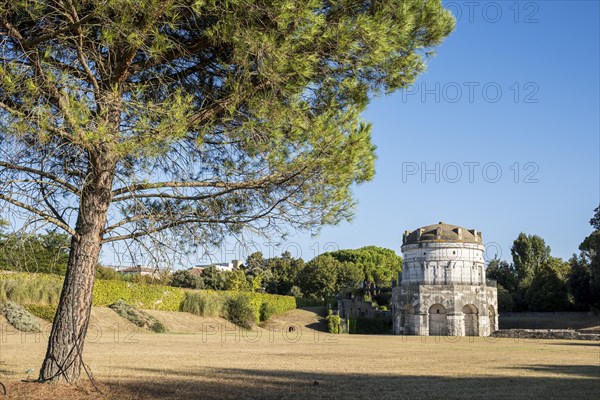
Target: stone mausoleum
<point>442,289</point>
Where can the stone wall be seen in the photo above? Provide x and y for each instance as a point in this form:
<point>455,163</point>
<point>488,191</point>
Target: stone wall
<point>545,334</point>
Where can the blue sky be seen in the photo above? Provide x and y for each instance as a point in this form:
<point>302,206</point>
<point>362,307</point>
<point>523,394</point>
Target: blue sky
<point>515,88</point>
<point>544,57</point>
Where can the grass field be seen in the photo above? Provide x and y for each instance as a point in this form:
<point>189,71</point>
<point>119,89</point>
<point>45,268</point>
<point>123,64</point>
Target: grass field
<point>219,361</point>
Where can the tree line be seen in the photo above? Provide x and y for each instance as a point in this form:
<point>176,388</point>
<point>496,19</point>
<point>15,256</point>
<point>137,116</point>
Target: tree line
<point>324,276</point>
<point>537,281</point>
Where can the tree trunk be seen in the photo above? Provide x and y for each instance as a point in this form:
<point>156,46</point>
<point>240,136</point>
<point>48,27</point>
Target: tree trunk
<point>64,356</point>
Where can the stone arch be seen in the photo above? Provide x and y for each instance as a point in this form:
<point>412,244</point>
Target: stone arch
<point>438,320</point>
<point>492,318</point>
<point>470,320</point>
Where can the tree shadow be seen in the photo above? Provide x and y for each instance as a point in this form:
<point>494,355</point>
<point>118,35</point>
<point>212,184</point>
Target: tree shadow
<point>583,371</point>
<point>235,383</point>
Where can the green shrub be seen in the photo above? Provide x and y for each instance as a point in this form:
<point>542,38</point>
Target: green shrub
<point>267,310</point>
<point>333,323</point>
<point>108,274</point>
<point>137,317</point>
<point>203,303</point>
<point>20,318</point>
<point>239,311</point>
<point>43,311</point>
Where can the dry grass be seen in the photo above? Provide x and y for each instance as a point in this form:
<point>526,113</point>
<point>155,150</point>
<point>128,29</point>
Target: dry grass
<point>225,362</point>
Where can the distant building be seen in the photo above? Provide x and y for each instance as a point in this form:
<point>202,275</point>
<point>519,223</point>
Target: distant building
<point>228,266</point>
<point>442,289</point>
<point>136,270</point>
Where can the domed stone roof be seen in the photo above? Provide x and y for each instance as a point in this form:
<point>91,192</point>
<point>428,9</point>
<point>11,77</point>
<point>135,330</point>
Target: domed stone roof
<point>442,233</point>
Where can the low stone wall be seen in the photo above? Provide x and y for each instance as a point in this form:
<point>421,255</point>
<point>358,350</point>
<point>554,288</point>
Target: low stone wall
<point>545,334</point>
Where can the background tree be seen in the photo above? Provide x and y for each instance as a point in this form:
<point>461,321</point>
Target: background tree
<point>590,247</point>
<point>107,273</point>
<point>548,290</point>
<point>503,273</point>
<point>191,120</point>
<point>580,282</point>
<point>44,253</point>
<point>380,266</point>
<point>185,279</point>
<point>213,278</point>
<point>529,253</point>
<point>318,279</point>
<point>284,273</point>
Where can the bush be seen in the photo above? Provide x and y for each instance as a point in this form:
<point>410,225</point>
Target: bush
<point>333,323</point>
<point>239,311</point>
<point>137,317</point>
<point>20,318</point>
<point>267,310</point>
<point>203,303</point>
<point>108,274</point>
<point>43,311</point>
<point>185,279</point>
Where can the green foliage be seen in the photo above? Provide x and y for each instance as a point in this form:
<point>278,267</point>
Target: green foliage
<point>548,291</point>
<point>46,253</point>
<point>580,282</point>
<point>529,253</point>
<point>236,281</point>
<point>304,302</point>
<point>206,303</point>
<point>590,248</point>
<point>138,317</point>
<point>380,265</point>
<point>140,295</point>
<point>213,278</point>
<point>43,311</point>
<point>45,289</point>
<point>239,311</point>
<point>106,273</point>
<point>19,317</point>
<point>503,273</point>
<point>24,288</point>
<point>333,323</point>
<point>319,277</point>
<point>267,310</point>
<point>505,300</point>
<point>185,279</point>
<point>284,273</point>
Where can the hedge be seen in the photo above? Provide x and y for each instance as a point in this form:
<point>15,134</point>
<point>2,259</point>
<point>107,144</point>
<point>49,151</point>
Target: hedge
<point>30,289</point>
<point>210,303</point>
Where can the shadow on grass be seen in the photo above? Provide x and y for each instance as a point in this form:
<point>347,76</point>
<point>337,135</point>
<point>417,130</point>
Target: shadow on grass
<point>583,382</point>
<point>582,371</point>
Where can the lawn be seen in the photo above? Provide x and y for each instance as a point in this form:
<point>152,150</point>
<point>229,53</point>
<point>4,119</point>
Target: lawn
<point>222,362</point>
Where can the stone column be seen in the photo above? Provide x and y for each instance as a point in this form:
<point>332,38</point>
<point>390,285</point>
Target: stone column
<point>455,324</point>
<point>421,326</point>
